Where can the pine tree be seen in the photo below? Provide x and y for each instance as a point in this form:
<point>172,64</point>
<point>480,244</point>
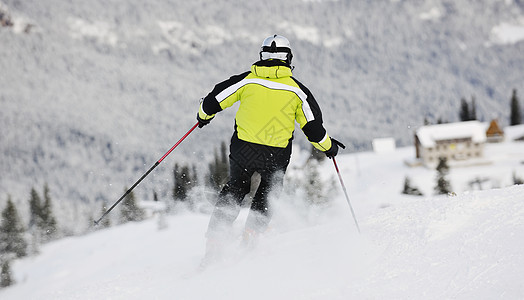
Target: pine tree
<point>184,181</point>
<point>464,110</point>
<point>468,112</point>
<point>179,191</point>
<point>442,121</point>
<point>473,109</point>
<point>155,196</point>
<point>5,275</point>
<point>12,232</point>
<point>409,189</point>
<point>443,186</point>
<point>35,207</point>
<point>129,210</point>
<point>47,220</point>
<point>515,116</point>
<point>313,184</point>
<point>106,222</point>
<point>219,168</point>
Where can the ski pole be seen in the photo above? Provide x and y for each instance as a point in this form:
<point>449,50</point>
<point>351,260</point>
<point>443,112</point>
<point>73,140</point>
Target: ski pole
<point>346,194</point>
<point>147,173</point>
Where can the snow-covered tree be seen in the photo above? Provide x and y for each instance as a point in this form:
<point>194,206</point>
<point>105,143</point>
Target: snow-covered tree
<point>35,209</point>
<point>409,189</point>
<point>106,222</point>
<point>468,112</point>
<point>219,168</point>
<point>47,220</point>
<point>129,210</point>
<point>12,232</point>
<point>155,196</point>
<point>317,190</point>
<point>443,185</point>
<point>42,221</point>
<point>313,184</point>
<point>473,109</point>
<point>464,110</point>
<point>184,181</point>
<point>5,275</point>
<point>515,115</point>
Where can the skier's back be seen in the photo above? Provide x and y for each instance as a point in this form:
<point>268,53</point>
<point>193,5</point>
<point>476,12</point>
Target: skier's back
<point>271,100</point>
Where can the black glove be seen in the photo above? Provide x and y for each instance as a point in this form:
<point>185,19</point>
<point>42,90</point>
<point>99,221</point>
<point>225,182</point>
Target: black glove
<point>333,151</point>
<point>202,123</point>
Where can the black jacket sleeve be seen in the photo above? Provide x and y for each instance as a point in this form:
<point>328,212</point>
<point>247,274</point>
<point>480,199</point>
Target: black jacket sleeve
<point>314,130</point>
<point>210,104</point>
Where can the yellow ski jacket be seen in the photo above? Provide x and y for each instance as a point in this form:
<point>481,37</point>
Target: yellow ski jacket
<point>270,102</point>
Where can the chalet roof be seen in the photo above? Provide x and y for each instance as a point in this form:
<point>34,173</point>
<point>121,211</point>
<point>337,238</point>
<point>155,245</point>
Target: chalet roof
<point>430,134</point>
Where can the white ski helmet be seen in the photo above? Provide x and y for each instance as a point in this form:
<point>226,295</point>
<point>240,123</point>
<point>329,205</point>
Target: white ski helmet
<point>276,47</point>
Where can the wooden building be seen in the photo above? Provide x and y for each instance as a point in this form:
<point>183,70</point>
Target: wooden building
<point>494,134</point>
<point>454,141</point>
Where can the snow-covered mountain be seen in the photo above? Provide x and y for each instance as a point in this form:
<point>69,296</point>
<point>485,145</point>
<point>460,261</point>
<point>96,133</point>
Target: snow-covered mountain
<point>467,246</point>
<point>92,93</point>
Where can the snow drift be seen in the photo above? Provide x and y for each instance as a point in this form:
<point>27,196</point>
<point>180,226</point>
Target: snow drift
<point>467,246</point>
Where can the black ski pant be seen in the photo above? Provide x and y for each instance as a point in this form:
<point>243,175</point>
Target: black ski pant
<point>244,160</point>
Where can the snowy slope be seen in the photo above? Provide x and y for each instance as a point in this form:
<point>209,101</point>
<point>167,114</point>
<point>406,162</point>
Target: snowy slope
<point>467,246</point>
<point>98,90</point>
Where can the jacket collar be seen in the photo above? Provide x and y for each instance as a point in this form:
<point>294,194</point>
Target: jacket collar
<point>271,68</point>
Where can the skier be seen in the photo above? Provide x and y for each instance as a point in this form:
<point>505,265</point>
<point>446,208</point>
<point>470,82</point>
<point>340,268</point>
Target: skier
<point>270,102</point>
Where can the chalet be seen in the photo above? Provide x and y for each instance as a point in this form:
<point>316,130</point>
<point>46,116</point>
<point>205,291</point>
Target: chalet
<point>454,141</point>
